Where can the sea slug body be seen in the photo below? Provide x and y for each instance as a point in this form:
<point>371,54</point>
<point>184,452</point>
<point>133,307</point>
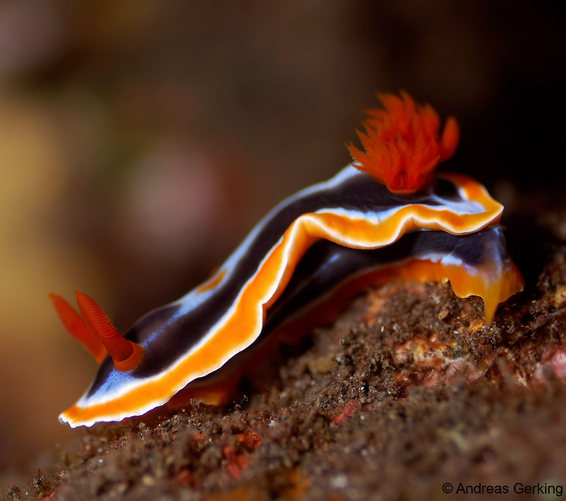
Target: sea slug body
<point>386,211</point>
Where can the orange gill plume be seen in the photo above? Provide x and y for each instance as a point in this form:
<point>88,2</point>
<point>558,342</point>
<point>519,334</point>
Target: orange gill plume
<point>402,143</point>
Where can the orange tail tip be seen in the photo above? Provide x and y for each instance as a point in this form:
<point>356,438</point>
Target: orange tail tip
<point>493,285</point>
<point>402,143</point>
<point>77,327</point>
<point>125,354</point>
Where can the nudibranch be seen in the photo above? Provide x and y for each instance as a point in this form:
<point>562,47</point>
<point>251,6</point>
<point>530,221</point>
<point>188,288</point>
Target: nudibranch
<point>384,215</point>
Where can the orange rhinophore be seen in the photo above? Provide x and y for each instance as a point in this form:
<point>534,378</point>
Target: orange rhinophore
<point>402,143</point>
<point>125,354</point>
<point>77,327</point>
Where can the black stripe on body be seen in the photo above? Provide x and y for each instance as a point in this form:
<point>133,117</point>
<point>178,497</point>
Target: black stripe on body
<point>177,334</point>
<point>326,265</point>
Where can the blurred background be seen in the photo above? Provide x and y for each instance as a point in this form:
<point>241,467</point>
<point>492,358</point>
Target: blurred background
<point>141,140</point>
